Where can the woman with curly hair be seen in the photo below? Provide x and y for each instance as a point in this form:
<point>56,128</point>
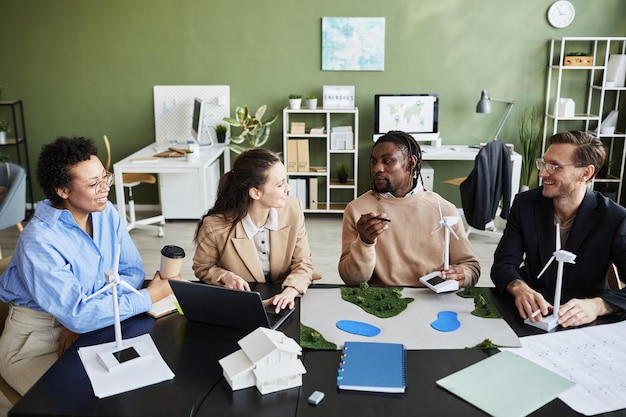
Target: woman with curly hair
<point>59,261</point>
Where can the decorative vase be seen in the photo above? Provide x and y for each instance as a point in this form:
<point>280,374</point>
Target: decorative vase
<point>3,137</point>
<point>221,137</point>
<point>343,178</point>
<point>311,103</point>
<point>295,103</point>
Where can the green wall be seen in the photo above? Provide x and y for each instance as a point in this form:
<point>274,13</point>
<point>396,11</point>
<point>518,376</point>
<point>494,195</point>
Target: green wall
<point>87,67</point>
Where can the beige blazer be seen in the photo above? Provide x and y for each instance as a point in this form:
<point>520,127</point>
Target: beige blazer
<point>219,253</point>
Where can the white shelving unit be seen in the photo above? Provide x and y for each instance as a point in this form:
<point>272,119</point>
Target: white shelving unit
<point>594,99</point>
<point>332,196</point>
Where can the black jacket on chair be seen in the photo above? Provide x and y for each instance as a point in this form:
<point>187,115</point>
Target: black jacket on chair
<point>489,181</point>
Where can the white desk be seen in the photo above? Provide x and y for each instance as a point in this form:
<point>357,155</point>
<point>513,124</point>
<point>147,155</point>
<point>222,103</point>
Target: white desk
<point>187,189</point>
<point>467,153</point>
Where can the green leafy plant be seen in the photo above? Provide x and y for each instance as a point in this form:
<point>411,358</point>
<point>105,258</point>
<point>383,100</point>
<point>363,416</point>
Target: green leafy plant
<point>294,96</point>
<point>4,126</point>
<point>4,157</point>
<point>530,139</point>
<point>311,97</point>
<point>254,131</point>
<point>221,129</point>
<point>578,53</point>
<point>342,169</point>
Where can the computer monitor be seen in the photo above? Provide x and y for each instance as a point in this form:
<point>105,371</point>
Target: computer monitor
<point>199,129</point>
<point>417,114</point>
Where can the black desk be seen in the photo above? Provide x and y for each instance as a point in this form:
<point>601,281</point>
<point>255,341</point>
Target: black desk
<point>192,351</point>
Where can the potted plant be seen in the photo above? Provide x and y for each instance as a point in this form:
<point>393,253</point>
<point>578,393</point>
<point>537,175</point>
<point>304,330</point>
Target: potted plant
<point>220,131</point>
<point>311,102</point>
<point>254,131</point>
<point>530,139</point>
<point>4,128</point>
<point>342,173</point>
<point>295,100</point>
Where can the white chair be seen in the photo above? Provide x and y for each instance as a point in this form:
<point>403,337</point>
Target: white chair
<point>131,180</point>
<point>13,206</point>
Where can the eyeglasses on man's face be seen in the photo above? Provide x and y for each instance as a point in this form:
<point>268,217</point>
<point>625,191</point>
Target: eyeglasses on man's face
<point>99,187</point>
<point>551,168</point>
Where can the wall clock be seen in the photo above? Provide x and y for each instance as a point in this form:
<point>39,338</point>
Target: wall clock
<point>561,14</point>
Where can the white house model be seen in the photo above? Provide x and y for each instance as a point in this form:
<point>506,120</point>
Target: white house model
<point>267,359</point>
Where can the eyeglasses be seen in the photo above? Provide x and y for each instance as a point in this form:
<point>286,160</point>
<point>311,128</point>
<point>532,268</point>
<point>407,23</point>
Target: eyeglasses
<point>551,168</point>
<point>99,186</point>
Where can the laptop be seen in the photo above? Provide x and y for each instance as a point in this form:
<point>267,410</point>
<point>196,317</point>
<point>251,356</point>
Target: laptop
<point>227,307</point>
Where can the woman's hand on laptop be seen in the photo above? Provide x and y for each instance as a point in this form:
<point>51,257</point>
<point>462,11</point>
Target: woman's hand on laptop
<point>283,300</point>
<point>234,281</point>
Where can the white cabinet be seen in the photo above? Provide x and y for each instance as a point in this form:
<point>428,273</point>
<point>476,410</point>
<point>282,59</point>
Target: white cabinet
<point>312,158</point>
<point>581,94</point>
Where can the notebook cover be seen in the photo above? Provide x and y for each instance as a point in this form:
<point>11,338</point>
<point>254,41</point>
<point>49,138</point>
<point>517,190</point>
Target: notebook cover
<point>506,385</point>
<point>371,366</point>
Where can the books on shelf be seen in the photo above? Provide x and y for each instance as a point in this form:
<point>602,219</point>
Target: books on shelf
<point>372,366</point>
<point>313,193</point>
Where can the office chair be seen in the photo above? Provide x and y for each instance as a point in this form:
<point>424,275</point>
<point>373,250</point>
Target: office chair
<point>483,190</point>
<point>13,206</point>
<point>131,180</point>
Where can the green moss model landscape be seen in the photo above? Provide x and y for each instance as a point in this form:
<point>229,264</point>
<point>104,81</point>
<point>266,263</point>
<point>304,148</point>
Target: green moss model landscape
<point>482,304</point>
<point>382,302</point>
<point>312,339</point>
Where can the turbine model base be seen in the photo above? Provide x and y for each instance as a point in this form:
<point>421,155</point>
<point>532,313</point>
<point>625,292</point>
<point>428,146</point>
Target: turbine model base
<point>117,358</point>
<point>547,323</point>
<point>438,284</point>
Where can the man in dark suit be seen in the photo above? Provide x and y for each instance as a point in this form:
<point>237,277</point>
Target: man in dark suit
<point>591,226</point>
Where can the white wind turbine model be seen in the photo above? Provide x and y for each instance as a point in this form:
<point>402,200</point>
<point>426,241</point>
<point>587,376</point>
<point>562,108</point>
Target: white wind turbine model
<point>434,281</point>
<point>561,256</point>
<point>119,356</point>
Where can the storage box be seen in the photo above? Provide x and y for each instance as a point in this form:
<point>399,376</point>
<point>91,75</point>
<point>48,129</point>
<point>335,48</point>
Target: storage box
<point>297,128</point>
<point>578,61</point>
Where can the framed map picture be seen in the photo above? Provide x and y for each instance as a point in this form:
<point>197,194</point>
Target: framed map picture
<point>353,43</point>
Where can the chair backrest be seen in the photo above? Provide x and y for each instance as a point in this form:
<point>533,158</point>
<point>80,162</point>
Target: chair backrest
<point>13,207</point>
<point>107,145</point>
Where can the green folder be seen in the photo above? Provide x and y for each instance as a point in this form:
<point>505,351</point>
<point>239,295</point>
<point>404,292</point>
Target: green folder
<point>506,384</point>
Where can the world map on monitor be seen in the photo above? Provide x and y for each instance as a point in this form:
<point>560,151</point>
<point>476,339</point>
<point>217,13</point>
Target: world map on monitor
<point>411,113</point>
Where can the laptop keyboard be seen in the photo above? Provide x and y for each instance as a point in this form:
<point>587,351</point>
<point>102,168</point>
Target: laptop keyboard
<point>274,317</point>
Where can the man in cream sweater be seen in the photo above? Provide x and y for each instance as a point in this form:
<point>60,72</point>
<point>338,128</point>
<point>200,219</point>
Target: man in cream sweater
<point>387,234</point>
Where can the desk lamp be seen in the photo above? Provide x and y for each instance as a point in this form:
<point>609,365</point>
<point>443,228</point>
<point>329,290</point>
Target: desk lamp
<point>484,106</point>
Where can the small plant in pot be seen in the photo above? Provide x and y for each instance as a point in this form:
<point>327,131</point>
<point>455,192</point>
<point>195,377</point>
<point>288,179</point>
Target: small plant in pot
<point>4,128</point>
<point>342,173</point>
<point>295,101</point>
<point>311,102</point>
<point>220,131</point>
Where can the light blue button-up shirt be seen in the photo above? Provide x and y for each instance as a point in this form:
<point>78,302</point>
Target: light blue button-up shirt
<point>56,265</point>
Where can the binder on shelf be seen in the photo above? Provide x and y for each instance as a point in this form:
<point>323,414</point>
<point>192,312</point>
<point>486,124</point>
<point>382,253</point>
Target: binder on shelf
<point>373,367</point>
<point>292,155</point>
<point>298,189</point>
<point>615,72</point>
<point>313,193</point>
<point>303,155</point>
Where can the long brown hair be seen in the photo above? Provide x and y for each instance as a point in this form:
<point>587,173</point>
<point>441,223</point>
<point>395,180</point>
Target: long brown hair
<point>249,171</point>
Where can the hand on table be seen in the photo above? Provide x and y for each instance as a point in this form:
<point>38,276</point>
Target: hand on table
<point>577,312</point>
<point>528,301</point>
<point>455,273</point>
<point>235,282</point>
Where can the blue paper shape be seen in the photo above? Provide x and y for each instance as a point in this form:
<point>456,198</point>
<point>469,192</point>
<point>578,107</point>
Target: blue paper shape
<point>358,327</point>
<point>446,322</point>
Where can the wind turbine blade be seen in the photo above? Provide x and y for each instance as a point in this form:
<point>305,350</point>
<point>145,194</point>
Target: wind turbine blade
<point>436,229</point>
<point>128,286</point>
<point>546,267</point>
<point>100,291</point>
<point>453,232</point>
<point>116,265</point>
<point>558,237</point>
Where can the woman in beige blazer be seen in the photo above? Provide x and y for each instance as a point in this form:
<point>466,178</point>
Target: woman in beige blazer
<point>255,232</point>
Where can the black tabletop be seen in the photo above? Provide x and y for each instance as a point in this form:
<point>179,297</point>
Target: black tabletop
<point>192,351</point>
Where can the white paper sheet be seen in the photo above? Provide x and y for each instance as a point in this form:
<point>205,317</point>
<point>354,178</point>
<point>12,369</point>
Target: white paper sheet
<point>322,308</point>
<point>593,357</point>
<point>142,374</point>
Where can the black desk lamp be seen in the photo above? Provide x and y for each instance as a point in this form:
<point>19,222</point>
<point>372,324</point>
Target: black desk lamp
<point>484,106</point>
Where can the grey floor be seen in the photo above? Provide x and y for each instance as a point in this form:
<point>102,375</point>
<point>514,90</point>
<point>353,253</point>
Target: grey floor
<point>324,238</point>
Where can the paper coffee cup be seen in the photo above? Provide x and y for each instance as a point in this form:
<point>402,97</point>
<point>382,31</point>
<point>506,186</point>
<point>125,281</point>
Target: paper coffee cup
<point>171,261</point>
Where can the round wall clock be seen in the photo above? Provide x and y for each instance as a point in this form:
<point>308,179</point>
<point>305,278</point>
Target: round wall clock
<point>561,14</point>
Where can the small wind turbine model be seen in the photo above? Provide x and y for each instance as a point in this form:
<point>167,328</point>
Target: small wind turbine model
<point>120,356</point>
<point>548,323</point>
<point>434,280</point>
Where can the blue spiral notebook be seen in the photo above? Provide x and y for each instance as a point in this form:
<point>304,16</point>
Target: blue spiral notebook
<point>372,366</point>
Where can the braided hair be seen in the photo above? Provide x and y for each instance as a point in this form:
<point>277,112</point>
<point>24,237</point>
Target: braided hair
<point>409,147</point>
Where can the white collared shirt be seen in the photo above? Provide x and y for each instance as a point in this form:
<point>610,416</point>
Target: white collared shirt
<point>417,189</point>
<point>261,237</point>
